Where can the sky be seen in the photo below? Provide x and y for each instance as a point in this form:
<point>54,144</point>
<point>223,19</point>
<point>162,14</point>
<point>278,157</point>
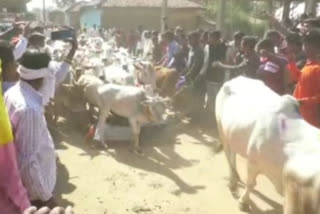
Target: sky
<point>38,4</point>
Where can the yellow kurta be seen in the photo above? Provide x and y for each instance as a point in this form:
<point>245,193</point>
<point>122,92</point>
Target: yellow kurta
<point>6,135</point>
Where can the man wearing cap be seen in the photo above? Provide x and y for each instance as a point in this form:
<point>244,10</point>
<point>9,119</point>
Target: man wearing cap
<point>37,40</point>
<point>25,103</point>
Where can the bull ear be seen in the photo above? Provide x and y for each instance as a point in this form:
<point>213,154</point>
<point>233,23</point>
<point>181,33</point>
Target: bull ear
<point>142,65</point>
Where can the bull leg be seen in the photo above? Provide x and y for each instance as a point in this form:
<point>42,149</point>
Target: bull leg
<point>91,112</point>
<point>136,128</point>
<point>291,195</point>
<point>99,134</point>
<point>252,173</point>
<point>234,177</point>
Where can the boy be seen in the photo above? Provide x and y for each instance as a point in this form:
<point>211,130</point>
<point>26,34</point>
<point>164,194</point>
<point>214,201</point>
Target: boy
<point>308,87</point>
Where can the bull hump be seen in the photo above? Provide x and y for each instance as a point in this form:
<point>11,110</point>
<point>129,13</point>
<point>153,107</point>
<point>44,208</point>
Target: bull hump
<point>227,89</point>
<point>289,104</point>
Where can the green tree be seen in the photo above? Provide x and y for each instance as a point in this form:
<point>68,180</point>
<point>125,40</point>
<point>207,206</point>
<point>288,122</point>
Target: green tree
<point>14,5</point>
<point>64,3</point>
<point>241,15</point>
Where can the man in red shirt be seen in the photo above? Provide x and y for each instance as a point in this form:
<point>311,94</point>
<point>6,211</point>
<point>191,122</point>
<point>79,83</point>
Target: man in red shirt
<point>308,86</point>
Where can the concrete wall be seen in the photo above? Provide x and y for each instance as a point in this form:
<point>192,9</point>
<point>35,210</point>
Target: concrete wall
<point>131,18</point>
<point>90,17</point>
<point>57,17</point>
<point>73,19</point>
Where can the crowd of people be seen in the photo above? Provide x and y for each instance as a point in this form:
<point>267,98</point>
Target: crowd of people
<point>286,61</point>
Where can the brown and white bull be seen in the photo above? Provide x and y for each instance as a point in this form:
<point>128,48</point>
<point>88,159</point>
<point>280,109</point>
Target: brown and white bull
<point>268,131</point>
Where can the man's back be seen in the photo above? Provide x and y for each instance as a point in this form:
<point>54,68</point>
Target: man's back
<point>216,53</point>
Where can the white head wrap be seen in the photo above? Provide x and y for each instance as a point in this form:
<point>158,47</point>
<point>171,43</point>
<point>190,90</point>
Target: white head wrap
<point>48,74</point>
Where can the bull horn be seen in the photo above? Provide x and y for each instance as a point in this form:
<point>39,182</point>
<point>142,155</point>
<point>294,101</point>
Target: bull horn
<point>143,65</point>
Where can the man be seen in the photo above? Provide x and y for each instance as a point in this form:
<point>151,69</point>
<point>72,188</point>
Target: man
<point>195,57</point>
<point>20,32</point>
<point>250,59</point>
<point>172,49</point>
<point>214,51</point>
<point>35,149</point>
<point>296,57</point>
<point>178,33</point>
<point>235,48</point>
<point>310,24</point>
<point>36,155</point>
<point>13,195</point>
<point>8,66</point>
<point>272,71</point>
<point>308,87</point>
<point>192,71</point>
<point>156,49</point>
<point>278,40</point>
<point>37,40</point>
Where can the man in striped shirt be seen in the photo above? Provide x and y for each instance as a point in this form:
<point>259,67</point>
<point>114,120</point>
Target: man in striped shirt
<point>35,148</point>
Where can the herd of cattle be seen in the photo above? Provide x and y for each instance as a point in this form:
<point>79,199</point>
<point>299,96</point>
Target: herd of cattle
<point>109,79</point>
<point>253,121</point>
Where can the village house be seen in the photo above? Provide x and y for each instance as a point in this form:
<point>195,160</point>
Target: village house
<point>129,14</point>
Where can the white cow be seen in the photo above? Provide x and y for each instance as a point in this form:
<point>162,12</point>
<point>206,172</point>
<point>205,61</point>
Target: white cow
<point>89,85</point>
<point>130,102</point>
<point>264,128</point>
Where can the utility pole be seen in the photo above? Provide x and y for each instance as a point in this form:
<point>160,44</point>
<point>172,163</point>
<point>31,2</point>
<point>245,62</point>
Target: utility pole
<point>286,10</point>
<point>270,11</point>
<point>221,15</point>
<point>44,13</point>
<point>164,14</point>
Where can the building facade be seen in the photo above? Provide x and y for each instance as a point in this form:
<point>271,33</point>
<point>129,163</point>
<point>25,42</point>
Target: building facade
<point>129,14</point>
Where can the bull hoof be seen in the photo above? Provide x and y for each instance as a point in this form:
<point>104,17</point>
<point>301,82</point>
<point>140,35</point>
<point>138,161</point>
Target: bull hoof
<point>233,186</point>
<point>218,147</point>
<point>244,206</point>
<point>99,145</point>
<point>235,192</point>
<point>137,151</point>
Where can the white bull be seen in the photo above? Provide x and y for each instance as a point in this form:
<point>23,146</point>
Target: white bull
<point>130,73</point>
<point>130,102</point>
<point>264,128</point>
<point>89,84</point>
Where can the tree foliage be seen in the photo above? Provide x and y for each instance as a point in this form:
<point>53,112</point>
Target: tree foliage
<point>14,5</point>
<point>240,15</point>
<point>64,3</point>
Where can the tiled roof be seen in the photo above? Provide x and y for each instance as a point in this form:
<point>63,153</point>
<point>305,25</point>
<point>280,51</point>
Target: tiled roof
<point>151,3</point>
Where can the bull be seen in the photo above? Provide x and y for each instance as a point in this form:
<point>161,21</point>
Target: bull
<point>269,132</point>
<point>132,103</point>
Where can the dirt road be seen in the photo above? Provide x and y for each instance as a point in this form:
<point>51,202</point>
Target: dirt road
<point>179,173</point>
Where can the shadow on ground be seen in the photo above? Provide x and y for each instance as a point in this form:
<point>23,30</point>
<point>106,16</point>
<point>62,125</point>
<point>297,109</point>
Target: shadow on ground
<point>158,144</point>
<point>64,185</point>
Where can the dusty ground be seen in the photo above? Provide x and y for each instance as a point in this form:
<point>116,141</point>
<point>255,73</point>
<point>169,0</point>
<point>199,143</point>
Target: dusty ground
<point>179,173</point>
